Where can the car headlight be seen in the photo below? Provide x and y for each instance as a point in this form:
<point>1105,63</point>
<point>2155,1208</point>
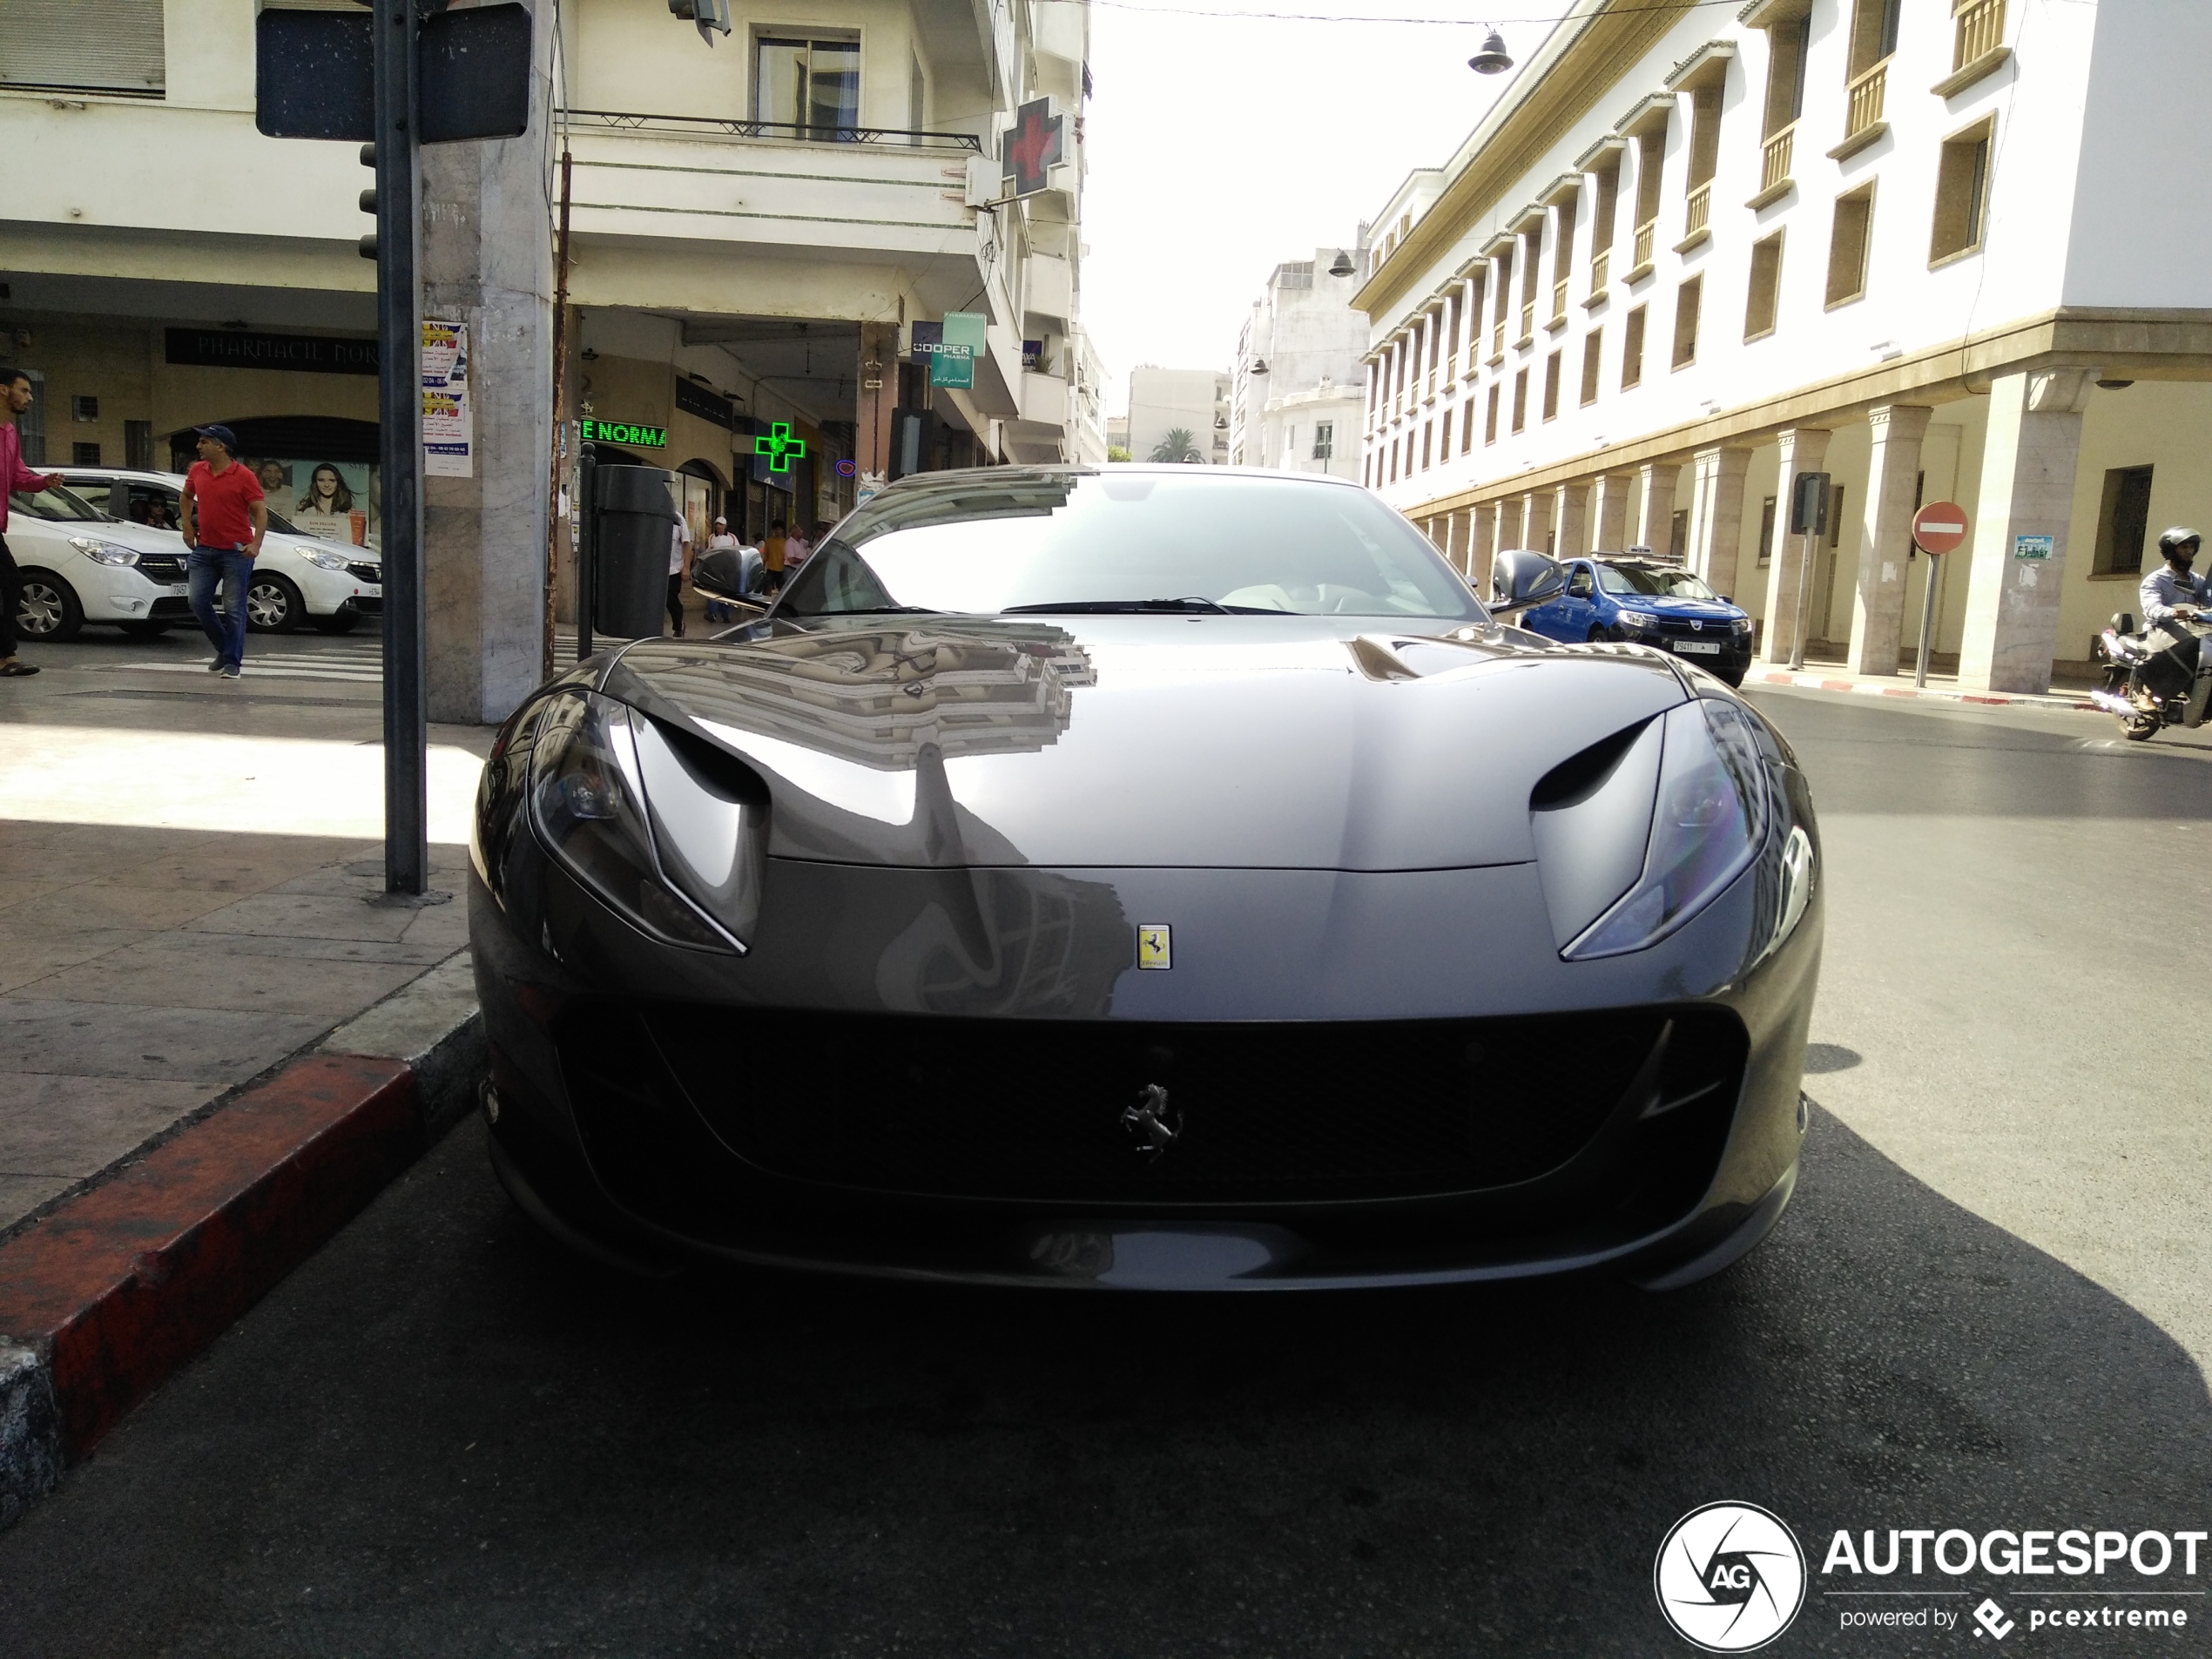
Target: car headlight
<point>1742,625</point>
<point>1708,822</point>
<point>672,846</point>
<point>1639,621</point>
<point>323,561</point>
<point>103,552</point>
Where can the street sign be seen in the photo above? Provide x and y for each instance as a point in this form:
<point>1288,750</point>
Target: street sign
<point>1809,504</point>
<point>1939,528</point>
<point>2033,547</point>
<point>314,74</point>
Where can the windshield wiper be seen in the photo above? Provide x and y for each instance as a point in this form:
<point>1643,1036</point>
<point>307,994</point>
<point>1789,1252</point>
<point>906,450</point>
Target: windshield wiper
<point>880,610</point>
<point>1109,607</point>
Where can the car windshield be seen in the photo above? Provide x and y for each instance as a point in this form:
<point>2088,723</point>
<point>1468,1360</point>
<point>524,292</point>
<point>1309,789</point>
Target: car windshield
<point>1076,541</point>
<point>1657,581</point>
<point>57,504</point>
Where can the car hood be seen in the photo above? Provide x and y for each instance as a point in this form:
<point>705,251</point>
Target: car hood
<point>1293,743</point>
<point>139,538</point>
<point>1704,609</point>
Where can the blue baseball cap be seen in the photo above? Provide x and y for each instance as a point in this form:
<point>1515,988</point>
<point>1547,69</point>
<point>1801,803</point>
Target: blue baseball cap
<point>222,435</point>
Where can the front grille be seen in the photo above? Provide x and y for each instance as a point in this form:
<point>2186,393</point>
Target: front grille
<point>161,567</point>
<point>1290,1113</point>
<point>364,573</point>
<point>174,608</point>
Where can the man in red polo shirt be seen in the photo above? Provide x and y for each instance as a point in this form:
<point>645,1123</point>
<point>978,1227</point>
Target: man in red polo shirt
<point>223,516</point>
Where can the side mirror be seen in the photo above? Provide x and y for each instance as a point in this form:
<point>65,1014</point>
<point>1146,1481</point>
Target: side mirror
<point>731,573</point>
<point>2123,622</point>
<point>1728,598</point>
<point>1521,577</point>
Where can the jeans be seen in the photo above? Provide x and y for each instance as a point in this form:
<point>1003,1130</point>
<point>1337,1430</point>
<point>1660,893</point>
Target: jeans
<point>207,568</point>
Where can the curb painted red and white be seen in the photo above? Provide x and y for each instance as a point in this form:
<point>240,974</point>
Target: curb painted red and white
<point>106,1296</point>
<point>2062,700</point>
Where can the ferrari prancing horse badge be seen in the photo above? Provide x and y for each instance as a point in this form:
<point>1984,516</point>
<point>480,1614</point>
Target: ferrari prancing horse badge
<point>1152,947</point>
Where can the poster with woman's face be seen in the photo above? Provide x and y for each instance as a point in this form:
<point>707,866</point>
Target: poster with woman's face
<point>333,500</point>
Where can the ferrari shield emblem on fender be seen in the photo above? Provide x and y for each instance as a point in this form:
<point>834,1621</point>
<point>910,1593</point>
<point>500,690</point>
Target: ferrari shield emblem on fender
<point>1153,949</point>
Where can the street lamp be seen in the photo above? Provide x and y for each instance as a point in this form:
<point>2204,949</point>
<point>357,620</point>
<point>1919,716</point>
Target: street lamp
<point>1492,59</point>
<point>1343,265</point>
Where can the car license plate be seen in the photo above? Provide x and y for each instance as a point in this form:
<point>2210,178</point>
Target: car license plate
<point>1698,647</point>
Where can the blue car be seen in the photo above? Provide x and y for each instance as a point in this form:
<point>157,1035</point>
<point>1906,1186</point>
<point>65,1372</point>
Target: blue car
<point>1623,596</point>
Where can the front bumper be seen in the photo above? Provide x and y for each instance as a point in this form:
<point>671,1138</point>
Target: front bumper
<point>621,1073</point>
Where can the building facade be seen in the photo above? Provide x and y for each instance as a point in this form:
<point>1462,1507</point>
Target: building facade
<point>1297,390</point>
<point>1926,250</point>
<point>763,239</point>
<point>1163,401</point>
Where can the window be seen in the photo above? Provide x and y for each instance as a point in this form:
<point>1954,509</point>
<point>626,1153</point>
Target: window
<point>84,454</point>
<point>1651,156</point>
<point>1551,385</point>
<point>1428,442</point>
<point>1873,35</point>
<point>1601,218</point>
<point>1562,260</point>
<point>1686,303</point>
<point>1847,244</point>
<point>1325,441</point>
<point>49,45</point>
<point>1962,193</point>
<point>1678,535</point>
<point>1836,516</point>
<point>1520,401</point>
<point>1632,349</point>
<point>1590,361</point>
<point>1785,77</point>
<point>1979,30</point>
<point>1466,428</point>
<point>138,445</point>
<point>1490,423</point>
<point>1299,275</point>
<point>1579,585</point>
<point>1766,532</point>
<point>2123,522</point>
<point>84,408</point>
<point>809,88</point>
<point>1505,302</point>
<point>1764,297</point>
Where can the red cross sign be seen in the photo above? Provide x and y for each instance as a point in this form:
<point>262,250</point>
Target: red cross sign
<point>1031,146</point>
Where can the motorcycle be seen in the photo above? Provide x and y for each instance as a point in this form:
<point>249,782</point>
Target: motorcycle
<point>2123,653</point>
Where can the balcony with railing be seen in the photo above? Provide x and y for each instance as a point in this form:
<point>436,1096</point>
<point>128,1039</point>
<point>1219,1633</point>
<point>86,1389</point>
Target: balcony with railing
<point>1600,268</point>
<point>1698,209</point>
<point>1527,321</point>
<point>1863,122</point>
<point>1647,236</point>
<point>1774,181</point>
<point>1558,305</point>
<point>1977,44</point>
<point>1498,341</point>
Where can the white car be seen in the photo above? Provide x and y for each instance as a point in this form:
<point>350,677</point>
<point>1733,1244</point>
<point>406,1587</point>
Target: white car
<point>297,579</point>
<point>79,566</point>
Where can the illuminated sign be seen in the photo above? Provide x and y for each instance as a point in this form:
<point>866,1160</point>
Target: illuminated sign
<point>635,437</point>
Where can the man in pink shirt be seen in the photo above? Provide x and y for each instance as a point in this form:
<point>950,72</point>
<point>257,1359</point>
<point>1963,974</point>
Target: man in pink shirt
<point>15,398</point>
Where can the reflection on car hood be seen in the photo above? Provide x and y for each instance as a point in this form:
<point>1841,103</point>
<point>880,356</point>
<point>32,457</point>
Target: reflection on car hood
<point>1305,743</point>
<point>1671,607</point>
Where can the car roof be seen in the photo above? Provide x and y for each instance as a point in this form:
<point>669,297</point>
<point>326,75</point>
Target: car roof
<point>1180,469</point>
<point>140,475</point>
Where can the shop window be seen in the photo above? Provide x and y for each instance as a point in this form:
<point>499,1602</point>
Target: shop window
<point>2123,522</point>
<point>1686,303</point>
<point>84,454</point>
<point>807,89</point>
<point>1551,385</point>
<point>1591,359</point>
<point>1962,194</point>
<point>1520,401</point>
<point>1764,299</point>
<point>1847,244</point>
<point>1632,350</point>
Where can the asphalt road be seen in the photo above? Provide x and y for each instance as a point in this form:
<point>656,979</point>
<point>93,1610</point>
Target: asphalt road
<point>442,1436</point>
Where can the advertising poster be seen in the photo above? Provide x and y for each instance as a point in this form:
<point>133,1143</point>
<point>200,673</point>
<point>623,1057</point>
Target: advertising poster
<point>447,420</point>
<point>332,501</point>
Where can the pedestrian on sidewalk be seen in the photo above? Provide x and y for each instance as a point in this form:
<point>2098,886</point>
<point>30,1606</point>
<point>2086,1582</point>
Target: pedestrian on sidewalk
<point>680,566</point>
<point>15,398</point>
<point>772,557</point>
<point>223,516</point>
<point>720,542</point>
<point>797,549</point>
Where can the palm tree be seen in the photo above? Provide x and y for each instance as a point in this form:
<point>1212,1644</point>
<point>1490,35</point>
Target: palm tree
<point>1178,445</point>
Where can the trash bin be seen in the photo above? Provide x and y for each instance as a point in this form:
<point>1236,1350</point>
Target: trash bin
<point>633,516</point>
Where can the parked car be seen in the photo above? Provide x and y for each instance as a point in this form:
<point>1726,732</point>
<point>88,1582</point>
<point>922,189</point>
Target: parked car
<point>298,577</point>
<point>1647,601</point>
<point>79,566</point>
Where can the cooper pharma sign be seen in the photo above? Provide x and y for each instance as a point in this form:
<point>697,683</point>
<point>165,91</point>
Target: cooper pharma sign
<point>625,432</point>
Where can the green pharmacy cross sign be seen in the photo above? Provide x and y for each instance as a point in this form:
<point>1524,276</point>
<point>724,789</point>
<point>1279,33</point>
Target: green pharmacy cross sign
<point>779,446</point>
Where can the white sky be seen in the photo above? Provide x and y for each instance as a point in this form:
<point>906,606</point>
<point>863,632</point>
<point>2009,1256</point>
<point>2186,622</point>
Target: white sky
<point>1222,145</point>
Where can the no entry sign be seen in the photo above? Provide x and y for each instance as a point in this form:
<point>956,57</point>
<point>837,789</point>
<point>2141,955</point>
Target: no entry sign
<point>1940,527</point>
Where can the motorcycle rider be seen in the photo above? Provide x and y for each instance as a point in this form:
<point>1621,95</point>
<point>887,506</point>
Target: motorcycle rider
<point>2172,595</point>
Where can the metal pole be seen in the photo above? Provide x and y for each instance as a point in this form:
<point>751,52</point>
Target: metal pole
<point>587,551</point>
<point>399,399</point>
<point>560,416</point>
<point>1805,604</point>
<point>1927,619</point>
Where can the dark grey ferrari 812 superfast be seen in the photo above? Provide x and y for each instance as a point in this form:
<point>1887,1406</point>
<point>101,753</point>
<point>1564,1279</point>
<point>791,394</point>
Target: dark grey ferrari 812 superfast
<point>1168,877</point>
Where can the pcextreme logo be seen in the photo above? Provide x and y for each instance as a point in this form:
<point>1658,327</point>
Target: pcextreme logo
<point>1729,1577</point>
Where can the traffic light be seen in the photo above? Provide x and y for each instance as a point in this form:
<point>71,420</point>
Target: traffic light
<point>707,14</point>
<point>368,201</point>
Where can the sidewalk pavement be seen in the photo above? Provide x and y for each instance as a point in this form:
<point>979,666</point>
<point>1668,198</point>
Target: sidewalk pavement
<point>218,1038</point>
<point>1943,688</point>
